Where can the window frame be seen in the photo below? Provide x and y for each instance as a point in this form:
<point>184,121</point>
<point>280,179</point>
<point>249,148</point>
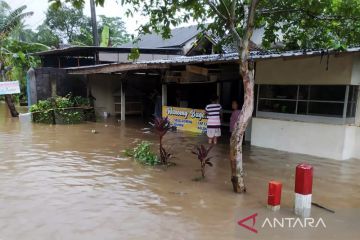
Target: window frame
<point>308,117</point>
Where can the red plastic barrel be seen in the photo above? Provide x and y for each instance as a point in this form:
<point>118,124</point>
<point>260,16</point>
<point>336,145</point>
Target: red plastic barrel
<point>304,179</point>
<point>274,193</point>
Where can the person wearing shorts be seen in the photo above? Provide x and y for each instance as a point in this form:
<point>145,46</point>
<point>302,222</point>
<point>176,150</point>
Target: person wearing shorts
<point>213,125</point>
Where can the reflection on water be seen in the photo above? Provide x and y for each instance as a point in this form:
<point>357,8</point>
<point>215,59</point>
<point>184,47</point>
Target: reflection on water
<point>63,182</point>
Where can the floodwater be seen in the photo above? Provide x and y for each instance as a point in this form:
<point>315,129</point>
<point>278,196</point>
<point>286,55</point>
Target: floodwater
<point>64,182</point>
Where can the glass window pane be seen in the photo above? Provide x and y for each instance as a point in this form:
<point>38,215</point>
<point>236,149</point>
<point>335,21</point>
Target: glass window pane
<point>303,92</point>
<point>327,93</point>
<point>351,108</point>
<point>278,91</point>
<point>302,108</point>
<point>326,109</point>
<point>277,106</point>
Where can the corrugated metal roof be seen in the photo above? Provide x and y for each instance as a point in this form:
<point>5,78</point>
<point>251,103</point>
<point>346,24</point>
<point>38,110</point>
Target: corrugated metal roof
<point>255,55</point>
<point>213,58</point>
<point>179,36</point>
<point>90,51</point>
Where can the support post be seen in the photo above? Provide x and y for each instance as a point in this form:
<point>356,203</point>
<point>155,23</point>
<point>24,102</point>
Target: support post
<point>123,101</point>
<point>274,195</point>
<point>53,87</point>
<point>218,89</point>
<point>357,111</point>
<point>303,190</point>
<point>164,94</point>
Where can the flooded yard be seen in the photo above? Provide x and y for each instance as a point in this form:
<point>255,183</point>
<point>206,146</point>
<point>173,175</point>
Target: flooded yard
<point>64,182</point>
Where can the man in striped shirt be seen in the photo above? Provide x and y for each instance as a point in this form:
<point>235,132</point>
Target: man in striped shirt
<point>213,124</point>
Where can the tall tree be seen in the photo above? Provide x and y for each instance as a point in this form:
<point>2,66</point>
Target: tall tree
<point>46,36</point>
<point>9,20</point>
<point>117,30</point>
<point>297,23</point>
<point>68,23</point>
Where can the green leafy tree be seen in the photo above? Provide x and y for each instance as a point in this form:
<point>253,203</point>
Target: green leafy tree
<point>68,23</point>
<point>9,20</point>
<point>297,23</point>
<point>117,30</point>
<point>46,36</point>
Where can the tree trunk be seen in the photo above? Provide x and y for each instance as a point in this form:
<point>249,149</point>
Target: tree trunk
<point>247,74</point>
<point>9,101</point>
<point>236,157</point>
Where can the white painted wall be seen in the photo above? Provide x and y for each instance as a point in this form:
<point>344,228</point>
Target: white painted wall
<point>322,140</point>
<point>356,147</point>
<point>123,57</point>
<point>305,71</point>
<point>352,142</point>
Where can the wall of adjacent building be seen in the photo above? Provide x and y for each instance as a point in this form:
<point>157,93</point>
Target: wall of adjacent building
<point>105,86</point>
<point>310,70</point>
<point>102,88</point>
<point>49,82</point>
<point>323,140</point>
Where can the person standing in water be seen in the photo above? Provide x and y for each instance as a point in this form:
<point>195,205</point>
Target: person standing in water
<point>214,123</point>
<point>234,115</point>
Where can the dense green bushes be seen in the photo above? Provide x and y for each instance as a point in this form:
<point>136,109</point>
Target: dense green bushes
<point>142,153</point>
<point>62,110</point>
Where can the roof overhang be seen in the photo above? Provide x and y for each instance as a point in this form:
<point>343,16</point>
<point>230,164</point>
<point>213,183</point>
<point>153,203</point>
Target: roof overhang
<point>203,59</point>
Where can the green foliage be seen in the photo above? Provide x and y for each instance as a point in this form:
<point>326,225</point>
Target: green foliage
<point>105,37</point>
<point>60,110</point>
<point>134,54</point>
<point>68,23</point>
<point>117,30</point>
<point>202,154</point>
<point>42,112</point>
<point>45,36</point>
<point>56,4</point>
<point>305,24</point>
<point>17,55</point>
<point>14,54</point>
<point>299,24</point>
<point>142,153</point>
<point>10,19</point>
<point>161,127</point>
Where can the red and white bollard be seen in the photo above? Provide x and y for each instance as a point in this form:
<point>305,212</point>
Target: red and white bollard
<point>274,195</point>
<point>303,189</point>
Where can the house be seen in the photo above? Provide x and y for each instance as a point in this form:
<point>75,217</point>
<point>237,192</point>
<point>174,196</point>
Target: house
<point>306,101</point>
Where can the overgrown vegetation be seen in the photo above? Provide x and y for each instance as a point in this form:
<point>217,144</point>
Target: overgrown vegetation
<point>142,153</point>
<point>202,154</point>
<point>161,127</point>
<point>61,110</point>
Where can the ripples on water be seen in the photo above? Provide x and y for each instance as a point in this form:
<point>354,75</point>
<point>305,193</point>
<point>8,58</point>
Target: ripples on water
<point>63,182</point>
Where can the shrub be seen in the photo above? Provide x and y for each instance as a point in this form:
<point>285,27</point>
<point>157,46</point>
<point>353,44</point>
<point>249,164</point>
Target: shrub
<point>161,127</point>
<point>142,153</point>
<point>202,154</point>
<point>60,110</point>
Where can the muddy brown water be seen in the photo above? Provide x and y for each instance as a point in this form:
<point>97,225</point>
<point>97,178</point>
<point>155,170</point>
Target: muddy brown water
<point>64,182</point>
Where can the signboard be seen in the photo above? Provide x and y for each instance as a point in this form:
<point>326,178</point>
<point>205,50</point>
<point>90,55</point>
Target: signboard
<point>187,119</point>
<point>9,87</point>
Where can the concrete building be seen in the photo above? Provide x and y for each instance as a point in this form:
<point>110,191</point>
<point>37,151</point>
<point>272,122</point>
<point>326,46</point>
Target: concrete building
<point>306,101</point>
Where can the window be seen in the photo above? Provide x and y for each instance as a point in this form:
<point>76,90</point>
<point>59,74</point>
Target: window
<point>351,107</point>
<point>330,101</point>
